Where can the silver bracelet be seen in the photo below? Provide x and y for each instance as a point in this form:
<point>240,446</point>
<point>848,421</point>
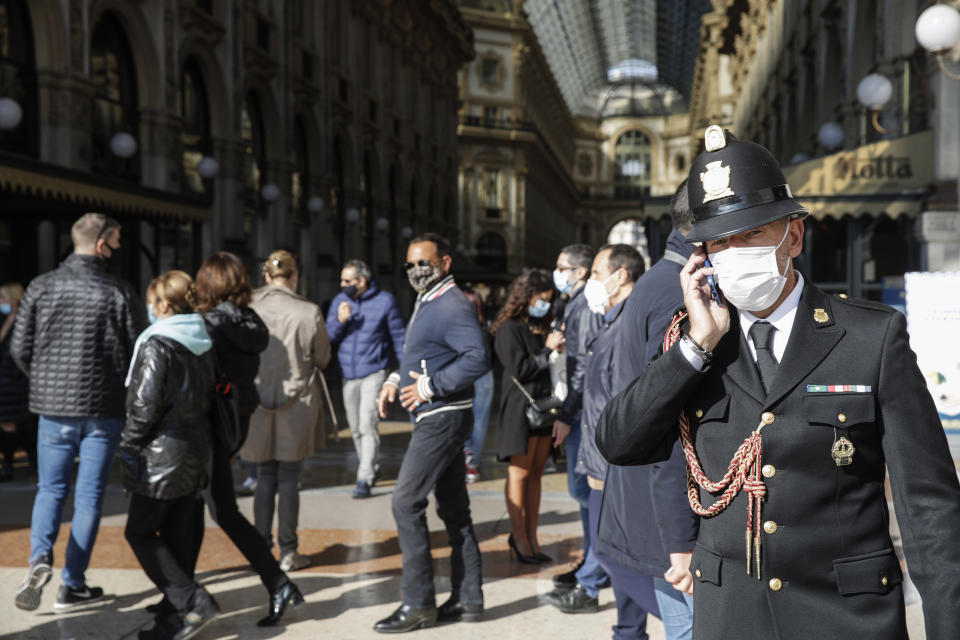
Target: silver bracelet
<point>702,353</point>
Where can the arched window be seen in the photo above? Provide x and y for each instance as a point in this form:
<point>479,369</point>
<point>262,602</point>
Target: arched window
<point>300,179</point>
<point>195,111</point>
<point>18,75</point>
<point>632,165</point>
<point>115,104</point>
<point>254,149</point>
<point>492,252</point>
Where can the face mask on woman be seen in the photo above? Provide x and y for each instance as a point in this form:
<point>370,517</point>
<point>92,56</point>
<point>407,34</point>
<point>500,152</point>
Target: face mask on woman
<point>6,308</point>
<point>539,308</point>
<point>151,316</point>
<point>750,277</point>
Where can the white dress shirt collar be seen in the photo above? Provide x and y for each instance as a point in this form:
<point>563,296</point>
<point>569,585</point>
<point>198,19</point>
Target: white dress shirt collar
<point>781,318</point>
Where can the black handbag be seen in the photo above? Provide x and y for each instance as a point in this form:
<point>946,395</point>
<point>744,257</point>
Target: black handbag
<point>539,412</point>
<point>224,415</point>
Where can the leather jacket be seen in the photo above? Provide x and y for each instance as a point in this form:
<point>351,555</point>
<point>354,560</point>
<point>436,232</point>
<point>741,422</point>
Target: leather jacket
<point>166,443</point>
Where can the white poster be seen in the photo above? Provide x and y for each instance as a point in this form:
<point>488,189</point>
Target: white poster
<point>933,320</point>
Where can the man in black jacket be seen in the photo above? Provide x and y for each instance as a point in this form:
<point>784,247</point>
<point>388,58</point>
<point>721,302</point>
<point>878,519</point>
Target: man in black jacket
<point>444,352</point>
<point>645,522</point>
<point>74,337</point>
<point>791,407</point>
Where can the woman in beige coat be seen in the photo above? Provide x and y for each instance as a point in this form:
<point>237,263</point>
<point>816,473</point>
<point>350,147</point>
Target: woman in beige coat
<point>283,429</point>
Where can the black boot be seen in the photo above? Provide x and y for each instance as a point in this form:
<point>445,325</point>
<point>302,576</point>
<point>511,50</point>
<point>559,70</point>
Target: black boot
<point>203,609</point>
<point>287,594</point>
<point>406,618</point>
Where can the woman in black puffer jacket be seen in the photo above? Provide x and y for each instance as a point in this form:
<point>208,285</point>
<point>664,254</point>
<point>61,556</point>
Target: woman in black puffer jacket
<point>239,335</point>
<point>165,450</point>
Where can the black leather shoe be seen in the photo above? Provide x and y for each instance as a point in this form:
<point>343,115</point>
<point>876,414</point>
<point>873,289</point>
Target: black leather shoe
<point>454,610</point>
<point>542,557</point>
<point>575,600</point>
<point>568,580</point>
<point>203,609</point>
<point>406,618</point>
<point>287,595</point>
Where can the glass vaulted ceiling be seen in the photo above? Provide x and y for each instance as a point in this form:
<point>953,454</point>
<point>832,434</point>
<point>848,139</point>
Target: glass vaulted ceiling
<point>620,57</point>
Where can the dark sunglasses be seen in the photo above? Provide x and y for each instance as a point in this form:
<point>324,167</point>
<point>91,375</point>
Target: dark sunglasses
<point>419,263</point>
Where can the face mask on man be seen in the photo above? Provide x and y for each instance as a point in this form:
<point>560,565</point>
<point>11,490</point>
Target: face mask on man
<point>597,295</point>
<point>561,280</point>
<point>750,277</point>
<point>423,277</point>
<point>539,308</point>
<point>350,291</point>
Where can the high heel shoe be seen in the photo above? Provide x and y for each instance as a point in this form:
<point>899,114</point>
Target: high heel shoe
<point>521,558</point>
<point>287,595</point>
<point>542,557</point>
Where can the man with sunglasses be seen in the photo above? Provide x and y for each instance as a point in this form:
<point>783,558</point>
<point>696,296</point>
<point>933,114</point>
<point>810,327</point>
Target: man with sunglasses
<point>444,353</point>
<point>73,337</point>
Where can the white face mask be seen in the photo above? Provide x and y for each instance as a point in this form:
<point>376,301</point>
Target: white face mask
<point>596,294</point>
<point>750,276</point>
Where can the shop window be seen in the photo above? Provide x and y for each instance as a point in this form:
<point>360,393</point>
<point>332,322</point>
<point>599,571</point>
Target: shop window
<point>115,104</point>
<point>488,70</point>
<point>18,76</point>
<point>195,112</point>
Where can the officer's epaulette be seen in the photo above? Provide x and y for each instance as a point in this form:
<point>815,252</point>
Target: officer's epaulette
<point>863,303</point>
<point>674,329</point>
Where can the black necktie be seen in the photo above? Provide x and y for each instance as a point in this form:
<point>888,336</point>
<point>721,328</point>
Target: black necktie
<point>762,335</point>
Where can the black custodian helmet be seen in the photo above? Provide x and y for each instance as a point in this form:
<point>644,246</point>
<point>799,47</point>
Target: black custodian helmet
<point>735,186</point>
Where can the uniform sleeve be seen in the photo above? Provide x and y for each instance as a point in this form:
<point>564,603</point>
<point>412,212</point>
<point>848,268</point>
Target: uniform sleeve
<point>517,361</point>
<point>25,331</point>
<point>463,336</point>
<point>398,329</point>
<point>923,479</point>
<point>677,522</point>
<point>321,342</point>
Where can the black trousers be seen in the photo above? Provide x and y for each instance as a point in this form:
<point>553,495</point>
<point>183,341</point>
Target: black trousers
<point>434,462</point>
<point>222,502</point>
<point>162,534</point>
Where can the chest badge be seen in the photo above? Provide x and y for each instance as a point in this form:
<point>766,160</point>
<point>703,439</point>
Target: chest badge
<point>820,315</point>
<point>716,181</point>
<point>842,452</point>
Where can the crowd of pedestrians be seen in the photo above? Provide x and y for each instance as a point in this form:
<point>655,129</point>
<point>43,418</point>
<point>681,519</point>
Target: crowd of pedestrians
<point>599,358</point>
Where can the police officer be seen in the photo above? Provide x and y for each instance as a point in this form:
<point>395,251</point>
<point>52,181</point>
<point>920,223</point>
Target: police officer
<point>791,406</point>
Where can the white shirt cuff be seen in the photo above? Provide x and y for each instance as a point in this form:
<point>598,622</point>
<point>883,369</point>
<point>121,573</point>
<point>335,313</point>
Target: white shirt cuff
<point>695,360</point>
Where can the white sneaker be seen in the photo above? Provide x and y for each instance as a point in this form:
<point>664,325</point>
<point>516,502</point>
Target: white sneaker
<point>293,561</point>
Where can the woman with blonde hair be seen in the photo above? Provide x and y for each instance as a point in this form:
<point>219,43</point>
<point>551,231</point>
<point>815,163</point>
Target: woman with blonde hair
<point>165,451</point>
<point>283,429</point>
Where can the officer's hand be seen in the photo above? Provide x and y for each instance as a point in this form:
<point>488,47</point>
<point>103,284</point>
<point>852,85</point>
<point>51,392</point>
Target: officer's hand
<point>388,394</point>
<point>678,574</point>
<point>560,432</point>
<point>410,397</point>
<point>343,312</point>
<point>708,320</point>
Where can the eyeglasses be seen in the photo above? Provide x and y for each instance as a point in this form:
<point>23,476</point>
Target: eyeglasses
<point>419,263</point>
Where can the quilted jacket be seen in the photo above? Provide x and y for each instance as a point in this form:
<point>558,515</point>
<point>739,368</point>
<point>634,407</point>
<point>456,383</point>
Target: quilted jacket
<point>166,444</point>
<point>74,337</point>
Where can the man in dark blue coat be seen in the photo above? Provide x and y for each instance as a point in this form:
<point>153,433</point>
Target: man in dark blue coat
<point>645,521</point>
<point>365,324</point>
<point>444,353</point>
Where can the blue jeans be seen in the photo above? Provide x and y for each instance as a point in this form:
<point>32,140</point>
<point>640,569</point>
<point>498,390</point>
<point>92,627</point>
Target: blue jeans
<point>676,610</point>
<point>482,399</point>
<point>59,440</point>
<point>577,482</point>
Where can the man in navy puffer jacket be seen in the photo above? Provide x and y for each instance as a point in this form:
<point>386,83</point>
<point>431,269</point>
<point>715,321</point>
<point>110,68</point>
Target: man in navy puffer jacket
<point>365,324</point>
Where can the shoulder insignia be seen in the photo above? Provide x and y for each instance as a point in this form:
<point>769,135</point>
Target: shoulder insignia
<point>820,315</point>
<point>864,304</point>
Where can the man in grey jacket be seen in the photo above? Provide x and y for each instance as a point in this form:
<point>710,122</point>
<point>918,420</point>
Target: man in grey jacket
<point>73,337</point>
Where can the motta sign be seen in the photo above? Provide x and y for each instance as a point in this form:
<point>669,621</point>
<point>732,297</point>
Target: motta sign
<point>886,167</point>
<point>890,167</point>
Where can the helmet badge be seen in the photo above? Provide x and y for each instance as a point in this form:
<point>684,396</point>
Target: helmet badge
<point>713,138</point>
<point>716,181</point>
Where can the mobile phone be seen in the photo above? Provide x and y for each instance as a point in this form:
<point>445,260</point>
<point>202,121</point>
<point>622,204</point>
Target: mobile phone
<point>710,281</point>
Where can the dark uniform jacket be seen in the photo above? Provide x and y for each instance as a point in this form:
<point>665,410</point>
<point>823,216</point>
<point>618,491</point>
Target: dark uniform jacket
<point>645,514</point>
<point>74,337</point>
<point>166,443</point>
<point>829,569</point>
<point>525,358</point>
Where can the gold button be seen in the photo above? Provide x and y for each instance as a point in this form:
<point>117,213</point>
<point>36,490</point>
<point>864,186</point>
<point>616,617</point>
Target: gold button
<point>700,575</point>
<point>699,413</point>
<point>842,417</point>
<point>770,526</point>
<point>767,417</point>
<point>768,471</point>
<point>776,584</point>
<point>843,295</point>
<point>884,581</point>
